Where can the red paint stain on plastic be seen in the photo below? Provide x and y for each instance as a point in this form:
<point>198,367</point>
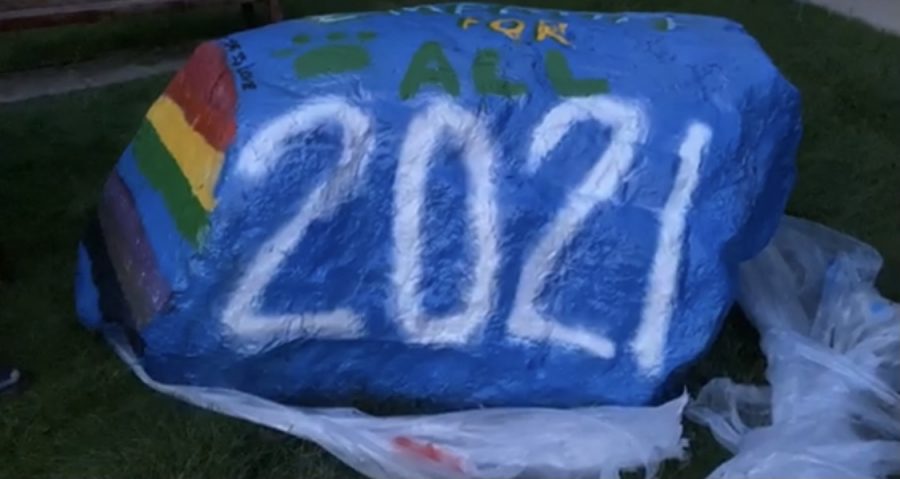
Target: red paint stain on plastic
<point>427,451</point>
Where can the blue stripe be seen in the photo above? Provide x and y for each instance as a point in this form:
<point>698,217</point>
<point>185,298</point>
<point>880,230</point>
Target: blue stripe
<point>171,250</point>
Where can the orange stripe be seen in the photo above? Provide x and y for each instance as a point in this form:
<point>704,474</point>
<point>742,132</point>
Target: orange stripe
<point>204,89</point>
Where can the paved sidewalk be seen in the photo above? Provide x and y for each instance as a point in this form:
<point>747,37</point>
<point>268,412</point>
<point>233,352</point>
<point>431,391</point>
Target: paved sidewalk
<point>118,68</point>
<point>881,14</point>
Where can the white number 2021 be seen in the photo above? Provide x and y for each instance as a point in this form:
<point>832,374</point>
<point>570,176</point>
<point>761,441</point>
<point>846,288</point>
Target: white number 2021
<point>444,119</point>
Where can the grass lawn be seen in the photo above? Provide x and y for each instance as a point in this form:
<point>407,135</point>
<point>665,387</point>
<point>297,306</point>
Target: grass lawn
<point>86,416</point>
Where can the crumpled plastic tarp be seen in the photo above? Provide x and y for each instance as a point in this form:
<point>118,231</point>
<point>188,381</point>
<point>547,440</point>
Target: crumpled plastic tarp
<point>487,443</point>
<point>832,410</point>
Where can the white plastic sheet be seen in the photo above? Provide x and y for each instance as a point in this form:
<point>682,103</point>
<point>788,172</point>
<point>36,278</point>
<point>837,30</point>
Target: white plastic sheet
<point>832,410</point>
<point>595,443</point>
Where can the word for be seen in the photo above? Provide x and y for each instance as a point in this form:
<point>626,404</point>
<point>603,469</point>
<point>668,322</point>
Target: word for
<point>442,118</point>
<point>661,23</point>
<point>513,28</point>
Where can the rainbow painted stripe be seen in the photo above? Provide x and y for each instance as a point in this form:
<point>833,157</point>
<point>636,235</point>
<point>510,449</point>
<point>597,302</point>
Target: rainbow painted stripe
<point>179,149</point>
<point>181,145</point>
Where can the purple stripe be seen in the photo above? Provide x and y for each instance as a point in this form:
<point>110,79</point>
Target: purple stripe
<point>146,291</point>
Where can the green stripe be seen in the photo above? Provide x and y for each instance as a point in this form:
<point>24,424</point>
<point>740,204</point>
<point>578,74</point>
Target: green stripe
<point>161,170</point>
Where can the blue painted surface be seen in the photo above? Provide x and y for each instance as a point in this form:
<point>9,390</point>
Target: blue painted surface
<point>674,70</point>
<point>87,301</point>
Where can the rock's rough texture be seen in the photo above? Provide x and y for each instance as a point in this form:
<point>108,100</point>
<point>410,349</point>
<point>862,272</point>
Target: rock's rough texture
<point>461,205</point>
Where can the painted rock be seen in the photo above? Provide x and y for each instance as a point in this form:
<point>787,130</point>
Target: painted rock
<point>456,205</point>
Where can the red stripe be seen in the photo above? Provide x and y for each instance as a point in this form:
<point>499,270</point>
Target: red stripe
<point>204,89</point>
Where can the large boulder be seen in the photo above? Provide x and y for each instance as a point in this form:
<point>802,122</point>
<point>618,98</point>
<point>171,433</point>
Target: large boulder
<point>457,205</point>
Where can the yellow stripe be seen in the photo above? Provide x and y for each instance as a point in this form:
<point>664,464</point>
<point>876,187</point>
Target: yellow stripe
<point>199,162</point>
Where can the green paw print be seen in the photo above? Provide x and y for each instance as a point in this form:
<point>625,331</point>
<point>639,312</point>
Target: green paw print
<point>341,55</point>
<point>663,24</point>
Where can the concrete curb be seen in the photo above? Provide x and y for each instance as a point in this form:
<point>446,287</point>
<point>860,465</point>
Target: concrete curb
<point>881,14</point>
<point>113,69</point>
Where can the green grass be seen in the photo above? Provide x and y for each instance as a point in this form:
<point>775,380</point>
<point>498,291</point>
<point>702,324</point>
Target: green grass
<point>86,416</point>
